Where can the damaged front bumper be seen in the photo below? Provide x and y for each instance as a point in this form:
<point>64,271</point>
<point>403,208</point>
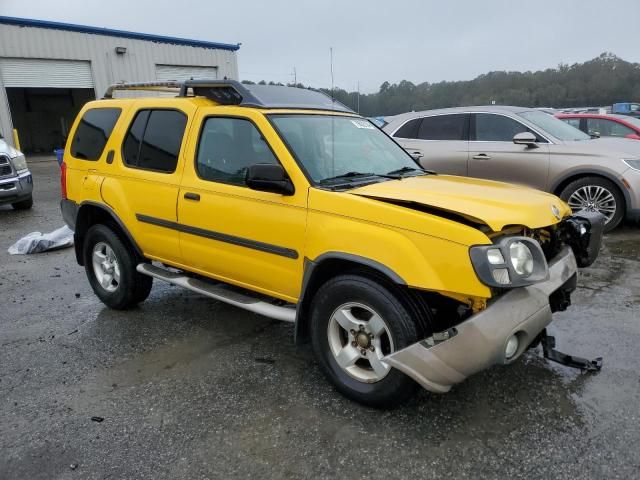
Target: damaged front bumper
<point>481,341</point>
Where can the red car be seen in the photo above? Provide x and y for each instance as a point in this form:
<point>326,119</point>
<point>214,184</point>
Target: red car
<point>604,125</point>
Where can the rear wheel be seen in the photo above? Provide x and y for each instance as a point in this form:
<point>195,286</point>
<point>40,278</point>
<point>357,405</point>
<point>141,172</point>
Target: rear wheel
<point>596,194</point>
<point>355,322</point>
<point>111,269</point>
<point>25,204</point>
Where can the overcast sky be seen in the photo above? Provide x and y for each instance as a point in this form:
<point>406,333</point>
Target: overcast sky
<point>372,40</point>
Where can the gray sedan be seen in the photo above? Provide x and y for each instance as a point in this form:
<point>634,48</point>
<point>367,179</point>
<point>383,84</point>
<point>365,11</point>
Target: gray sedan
<point>529,147</point>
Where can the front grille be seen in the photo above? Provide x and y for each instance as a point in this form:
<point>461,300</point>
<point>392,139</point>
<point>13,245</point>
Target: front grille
<point>5,166</point>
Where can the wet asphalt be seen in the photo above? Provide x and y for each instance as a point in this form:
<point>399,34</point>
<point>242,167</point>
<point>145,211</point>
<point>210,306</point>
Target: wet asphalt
<point>186,387</point>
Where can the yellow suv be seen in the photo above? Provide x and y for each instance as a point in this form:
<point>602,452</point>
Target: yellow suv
<point>284,202</point>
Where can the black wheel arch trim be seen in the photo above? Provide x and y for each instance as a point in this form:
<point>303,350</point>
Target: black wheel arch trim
<point>310,266</point>
<point>78,237</point>
<point>598,173</point>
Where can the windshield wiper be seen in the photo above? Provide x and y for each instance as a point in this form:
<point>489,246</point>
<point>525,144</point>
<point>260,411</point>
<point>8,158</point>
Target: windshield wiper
<point>402,170</point>
<point>349,175</point>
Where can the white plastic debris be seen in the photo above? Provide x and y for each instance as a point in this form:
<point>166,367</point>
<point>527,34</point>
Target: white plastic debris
<point>37,242</point>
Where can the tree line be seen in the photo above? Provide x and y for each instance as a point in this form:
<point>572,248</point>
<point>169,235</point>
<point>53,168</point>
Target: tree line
<point>602,81</point>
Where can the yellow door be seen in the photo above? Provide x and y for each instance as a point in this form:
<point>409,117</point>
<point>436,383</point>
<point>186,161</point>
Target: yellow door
<point>246,237</point>
<point>143,177</point>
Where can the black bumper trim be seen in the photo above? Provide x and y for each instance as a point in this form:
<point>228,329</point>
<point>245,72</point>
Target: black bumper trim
<point>69,210</point>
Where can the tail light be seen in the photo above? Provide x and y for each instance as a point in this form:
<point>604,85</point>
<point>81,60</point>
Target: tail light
<point>63,180</point>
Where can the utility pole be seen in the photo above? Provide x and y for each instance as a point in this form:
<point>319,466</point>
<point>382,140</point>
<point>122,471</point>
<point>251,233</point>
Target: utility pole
<point>331,65</point>
<point>358,109</point>
<point>295,76</point>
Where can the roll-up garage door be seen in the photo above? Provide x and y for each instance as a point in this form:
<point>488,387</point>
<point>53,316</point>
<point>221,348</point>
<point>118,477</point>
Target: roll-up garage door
<point>180,73</point>
<point>33,73</point>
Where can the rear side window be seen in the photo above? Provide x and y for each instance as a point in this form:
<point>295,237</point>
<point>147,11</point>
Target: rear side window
<point>154,139</point>
<point>409,129</point>
<point>92,133</point>
<point>607,128</point>
<point>497,128</point>
<point>443,127</point>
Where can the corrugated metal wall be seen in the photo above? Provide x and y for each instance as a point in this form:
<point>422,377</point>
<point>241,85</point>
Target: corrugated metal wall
<point>107,67</point>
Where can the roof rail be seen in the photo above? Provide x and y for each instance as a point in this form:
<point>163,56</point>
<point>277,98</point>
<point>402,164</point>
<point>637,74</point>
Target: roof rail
<point>146,86</point>
<point>232,92</point>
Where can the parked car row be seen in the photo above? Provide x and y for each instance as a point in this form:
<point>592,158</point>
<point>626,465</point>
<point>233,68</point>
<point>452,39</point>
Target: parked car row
<point>527,147</point>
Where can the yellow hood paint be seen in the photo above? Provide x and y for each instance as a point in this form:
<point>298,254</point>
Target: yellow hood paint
<point>495,204</point>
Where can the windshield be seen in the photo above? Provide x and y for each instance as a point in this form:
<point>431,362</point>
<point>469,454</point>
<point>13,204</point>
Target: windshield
<point>552,125</point>
<point>329,146</point>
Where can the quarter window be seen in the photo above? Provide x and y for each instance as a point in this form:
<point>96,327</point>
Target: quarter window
<point>443,127</point>
<point>227,147</point>
<point>409,129</point>
<point>154,139</point>
<point>497,128</point>
<point>93,132</point>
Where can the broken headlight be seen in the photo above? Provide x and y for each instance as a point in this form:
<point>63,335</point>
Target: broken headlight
<point>512,262</point>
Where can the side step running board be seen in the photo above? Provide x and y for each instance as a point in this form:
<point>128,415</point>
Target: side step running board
<point>220,291</point>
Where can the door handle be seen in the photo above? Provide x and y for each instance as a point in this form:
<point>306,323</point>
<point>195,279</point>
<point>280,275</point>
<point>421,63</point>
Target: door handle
<point>416,155</point>
<point>482,156</point>
<point>192,196</point>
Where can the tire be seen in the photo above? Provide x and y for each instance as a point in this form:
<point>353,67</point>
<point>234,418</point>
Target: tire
<point>25,204</point>
<point>362,298</point>
<point>118,285</point>
<point>599,194</point>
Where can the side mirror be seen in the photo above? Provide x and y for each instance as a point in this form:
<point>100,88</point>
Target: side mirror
<point>525,138</point>
<point>267,177</point>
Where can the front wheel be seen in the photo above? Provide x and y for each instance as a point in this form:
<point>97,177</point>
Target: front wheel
<point>111,269</point>
<point>596,194</point>
<point>355,322</point>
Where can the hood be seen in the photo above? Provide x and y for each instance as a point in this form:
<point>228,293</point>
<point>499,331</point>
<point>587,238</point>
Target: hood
<point>495,204</point>
<point>6,149</point>
<point>610,147</point>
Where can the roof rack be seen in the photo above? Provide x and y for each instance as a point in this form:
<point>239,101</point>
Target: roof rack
<point>232,92</point>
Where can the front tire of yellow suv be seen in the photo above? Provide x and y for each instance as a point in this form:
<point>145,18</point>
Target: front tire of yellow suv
<point>110,266</point>
<point>355,322</point>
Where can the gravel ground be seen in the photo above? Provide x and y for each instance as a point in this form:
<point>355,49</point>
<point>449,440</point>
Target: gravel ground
<point>191,388</point>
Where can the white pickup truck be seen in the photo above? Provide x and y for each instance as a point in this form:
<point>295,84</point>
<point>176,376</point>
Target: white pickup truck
<point>16,183</point>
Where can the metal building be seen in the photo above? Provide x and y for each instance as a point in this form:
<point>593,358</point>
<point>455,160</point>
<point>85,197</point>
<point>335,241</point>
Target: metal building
<point>48,70</point>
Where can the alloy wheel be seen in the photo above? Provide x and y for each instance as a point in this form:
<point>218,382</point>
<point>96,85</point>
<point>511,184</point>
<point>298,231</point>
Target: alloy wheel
<point>359,339</point>
<point>106,267</point>
<point>593,198</point>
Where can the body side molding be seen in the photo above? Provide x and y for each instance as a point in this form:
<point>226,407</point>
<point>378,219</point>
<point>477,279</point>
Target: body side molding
<point>221,237</point>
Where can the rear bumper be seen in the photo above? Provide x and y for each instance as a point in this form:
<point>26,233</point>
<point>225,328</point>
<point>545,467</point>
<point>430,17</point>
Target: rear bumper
<point>15,189</point>
<point>69,210</point>
<point>481,340</point>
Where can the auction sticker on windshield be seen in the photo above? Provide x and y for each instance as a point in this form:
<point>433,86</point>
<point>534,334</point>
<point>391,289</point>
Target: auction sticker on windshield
<point>363,124</point>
